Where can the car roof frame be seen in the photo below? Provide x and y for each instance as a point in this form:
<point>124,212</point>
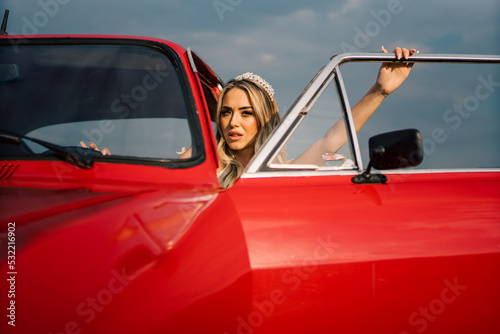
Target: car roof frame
<point>261,162</point>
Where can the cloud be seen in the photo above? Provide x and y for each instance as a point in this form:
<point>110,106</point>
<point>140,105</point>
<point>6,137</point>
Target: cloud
<point>348,6</point>
<point>267,58</point>
<point>286,41</point>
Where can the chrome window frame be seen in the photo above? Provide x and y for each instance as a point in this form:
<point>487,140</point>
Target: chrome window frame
<point>261,164</point>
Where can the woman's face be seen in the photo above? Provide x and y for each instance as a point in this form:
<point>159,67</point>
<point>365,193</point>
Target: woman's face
<point>238,122</point>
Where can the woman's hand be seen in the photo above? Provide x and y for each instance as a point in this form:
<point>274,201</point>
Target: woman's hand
<point>392,75</point>
<point>93,146</point>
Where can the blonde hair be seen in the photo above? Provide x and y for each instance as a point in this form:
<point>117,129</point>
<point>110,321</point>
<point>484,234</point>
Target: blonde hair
<point>267,115</point>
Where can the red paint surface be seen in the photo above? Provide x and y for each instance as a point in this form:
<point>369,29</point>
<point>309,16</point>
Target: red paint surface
<point>420,253</point>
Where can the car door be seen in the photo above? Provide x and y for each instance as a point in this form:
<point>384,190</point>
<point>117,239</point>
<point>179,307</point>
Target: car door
<point>417,253</point>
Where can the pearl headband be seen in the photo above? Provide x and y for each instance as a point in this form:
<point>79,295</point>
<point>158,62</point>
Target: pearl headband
<point>259,81</point>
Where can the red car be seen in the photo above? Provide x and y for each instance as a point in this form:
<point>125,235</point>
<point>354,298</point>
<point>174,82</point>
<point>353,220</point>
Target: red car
<point>144,241</point>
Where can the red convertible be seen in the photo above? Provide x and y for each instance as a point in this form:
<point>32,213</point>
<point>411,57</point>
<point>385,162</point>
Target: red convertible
<point>144,241</point>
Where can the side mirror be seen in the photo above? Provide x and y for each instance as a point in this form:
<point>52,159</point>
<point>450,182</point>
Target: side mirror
<point>392,150</point>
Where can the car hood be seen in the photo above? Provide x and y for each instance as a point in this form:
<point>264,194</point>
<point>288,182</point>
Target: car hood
<point>163,214</point>
<point>25,205</point>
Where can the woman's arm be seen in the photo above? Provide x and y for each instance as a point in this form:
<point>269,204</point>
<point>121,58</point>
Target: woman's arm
<point>390,77</point>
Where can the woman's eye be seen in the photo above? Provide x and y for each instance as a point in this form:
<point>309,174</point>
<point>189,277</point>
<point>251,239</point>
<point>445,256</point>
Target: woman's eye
<point>247,113</point>
<point>225,112</point>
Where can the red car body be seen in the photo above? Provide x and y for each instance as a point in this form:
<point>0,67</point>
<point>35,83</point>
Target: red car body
<point>138,248</point>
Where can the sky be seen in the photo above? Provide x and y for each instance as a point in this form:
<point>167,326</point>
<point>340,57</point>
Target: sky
<point>286,42</point>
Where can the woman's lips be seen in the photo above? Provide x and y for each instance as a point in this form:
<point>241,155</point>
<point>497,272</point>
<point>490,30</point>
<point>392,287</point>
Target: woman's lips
<point>234,135</point>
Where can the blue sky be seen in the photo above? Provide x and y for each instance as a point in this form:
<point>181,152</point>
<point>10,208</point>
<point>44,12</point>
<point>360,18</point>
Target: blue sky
<point>284,41</point>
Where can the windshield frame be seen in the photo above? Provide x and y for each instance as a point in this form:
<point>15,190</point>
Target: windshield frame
<point>198,149</point>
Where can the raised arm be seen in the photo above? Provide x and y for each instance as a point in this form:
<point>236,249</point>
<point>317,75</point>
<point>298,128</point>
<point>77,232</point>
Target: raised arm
<point>390,77</point>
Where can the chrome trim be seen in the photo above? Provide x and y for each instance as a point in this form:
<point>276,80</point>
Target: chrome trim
<point>309,173</point>
<point>281,143</point>
<point>301,116</point>
<point>301,105</point>
<point>297,173</point>
<point>293,167</point>
<point>290,120</point>
<point>418,58</point>
<point>350,126</point>
<point>278,167</point>
<point>191,60</point>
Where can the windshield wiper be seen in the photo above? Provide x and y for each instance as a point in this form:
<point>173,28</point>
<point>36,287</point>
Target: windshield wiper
<point>68,154</point>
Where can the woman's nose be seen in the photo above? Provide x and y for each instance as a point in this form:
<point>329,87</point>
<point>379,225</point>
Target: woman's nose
<point>235,120</point>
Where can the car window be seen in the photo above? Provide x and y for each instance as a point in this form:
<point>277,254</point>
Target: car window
<point>325,112</point>
<point>453,101</point>
<point>127,98</point>
<point>456,107</point>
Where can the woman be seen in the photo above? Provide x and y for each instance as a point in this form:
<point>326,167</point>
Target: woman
<point>247,114</point>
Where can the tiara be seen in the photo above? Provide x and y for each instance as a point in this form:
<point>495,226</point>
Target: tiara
<point>258,80</point>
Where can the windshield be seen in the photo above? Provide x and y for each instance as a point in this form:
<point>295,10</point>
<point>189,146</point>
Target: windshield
<point>126,98</point>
